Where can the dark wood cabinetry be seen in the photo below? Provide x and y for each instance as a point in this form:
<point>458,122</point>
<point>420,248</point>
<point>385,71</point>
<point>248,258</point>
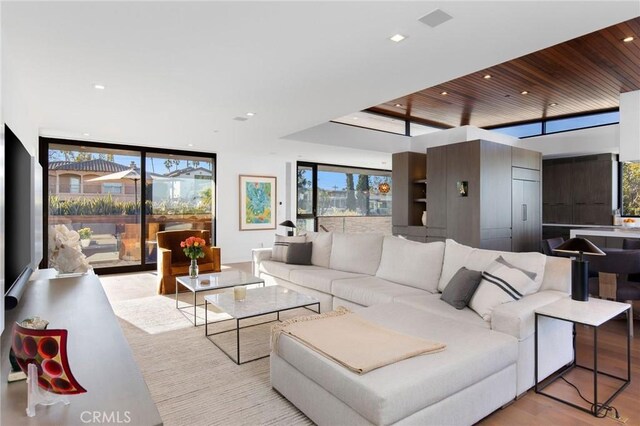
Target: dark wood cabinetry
<point>463,212</point>
<point>579,190</point>
<point>408,175</point>
<point>436,188</point>
<point>500,180</point>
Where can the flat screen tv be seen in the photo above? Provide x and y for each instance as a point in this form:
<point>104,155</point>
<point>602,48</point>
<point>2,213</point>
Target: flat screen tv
<point>18,241</point>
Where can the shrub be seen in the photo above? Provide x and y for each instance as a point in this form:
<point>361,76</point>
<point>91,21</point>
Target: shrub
<point>106,205</point>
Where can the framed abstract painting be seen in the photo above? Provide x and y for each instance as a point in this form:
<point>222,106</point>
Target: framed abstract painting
<point>257,202</point>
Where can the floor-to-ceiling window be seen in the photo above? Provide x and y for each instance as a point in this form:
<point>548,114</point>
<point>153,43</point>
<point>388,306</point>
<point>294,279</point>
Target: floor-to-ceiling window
<point>179,195</point>
<point>630,189</point>
<point>343,199</point>
<point>99,190</point>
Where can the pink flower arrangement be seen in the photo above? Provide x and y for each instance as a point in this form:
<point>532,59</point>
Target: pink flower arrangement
<point>193,247</point>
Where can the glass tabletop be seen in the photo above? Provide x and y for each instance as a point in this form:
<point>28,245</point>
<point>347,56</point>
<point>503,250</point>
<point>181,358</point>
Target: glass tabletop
<point>259,301</point>
<point>218,280</point>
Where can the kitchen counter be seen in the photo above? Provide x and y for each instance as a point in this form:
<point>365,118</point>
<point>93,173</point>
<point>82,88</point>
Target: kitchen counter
<point>564,225</point>
<point>611,232</point>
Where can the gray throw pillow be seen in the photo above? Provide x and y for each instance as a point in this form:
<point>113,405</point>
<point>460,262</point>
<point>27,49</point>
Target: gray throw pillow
<point>299,253</point>
<point>281,245</point>
<point>460,289</point>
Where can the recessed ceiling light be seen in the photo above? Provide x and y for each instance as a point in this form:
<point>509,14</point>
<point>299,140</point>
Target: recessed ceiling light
<point>355,118</point>
<point>628,39</point>
<point>397,38</point>
<point>487,76</point>
<point>99,86</point>
<point>216,131</point>
<point>189,144</point>
<point>251,114</point>
<point>552,104</point>
<point>444,93</point>
<point>86,134</point>
<point>398,105</point>
<point>524,92</point>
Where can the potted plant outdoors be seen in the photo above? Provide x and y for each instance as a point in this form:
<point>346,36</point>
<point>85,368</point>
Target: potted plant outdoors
<point>85,236</point>
<point>193,248</point>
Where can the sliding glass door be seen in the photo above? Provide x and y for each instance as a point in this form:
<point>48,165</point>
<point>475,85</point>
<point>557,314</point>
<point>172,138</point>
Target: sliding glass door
<point>180,195</point>
<point>96,192</point>
<point>119,197</point>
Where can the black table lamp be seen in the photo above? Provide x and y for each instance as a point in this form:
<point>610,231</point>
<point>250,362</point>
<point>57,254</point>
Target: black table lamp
<point>289,224</point>
<point>579,266</point>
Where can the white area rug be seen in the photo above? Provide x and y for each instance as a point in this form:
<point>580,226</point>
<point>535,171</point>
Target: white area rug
<point>192,381</point>
<point>158,314</point>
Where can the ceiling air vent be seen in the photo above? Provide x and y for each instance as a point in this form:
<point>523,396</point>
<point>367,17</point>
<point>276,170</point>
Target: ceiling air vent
<point>435,18</point>
<point>240,118</point>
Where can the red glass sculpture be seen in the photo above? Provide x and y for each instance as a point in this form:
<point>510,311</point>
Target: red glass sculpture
<point>42,355</point>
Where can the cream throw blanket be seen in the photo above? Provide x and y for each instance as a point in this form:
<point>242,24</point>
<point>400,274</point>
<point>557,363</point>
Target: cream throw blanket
<point>351,341</point>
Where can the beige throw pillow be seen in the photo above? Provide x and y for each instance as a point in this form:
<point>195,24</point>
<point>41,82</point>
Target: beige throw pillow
<point>321,247</point>
<point>500,284</point>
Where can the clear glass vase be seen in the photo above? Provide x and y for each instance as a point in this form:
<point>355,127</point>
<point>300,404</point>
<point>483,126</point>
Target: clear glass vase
<point>193,269</point>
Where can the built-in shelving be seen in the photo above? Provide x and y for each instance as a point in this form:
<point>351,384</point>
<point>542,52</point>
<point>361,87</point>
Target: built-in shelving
<point>409,195</point>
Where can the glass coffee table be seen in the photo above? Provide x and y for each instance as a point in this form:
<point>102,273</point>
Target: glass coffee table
<point>257,302</point>
<point>209,282</point>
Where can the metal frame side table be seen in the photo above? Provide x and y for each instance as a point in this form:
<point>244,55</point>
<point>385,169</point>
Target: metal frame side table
<point>593,313</point>
<point>217,281</point>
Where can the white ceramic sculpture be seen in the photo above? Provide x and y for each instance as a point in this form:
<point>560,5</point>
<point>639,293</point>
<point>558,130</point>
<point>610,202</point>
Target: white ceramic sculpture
<point>65,251</point>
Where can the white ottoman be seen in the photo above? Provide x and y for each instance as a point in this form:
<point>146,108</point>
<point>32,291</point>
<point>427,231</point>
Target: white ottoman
<point>472,377</point>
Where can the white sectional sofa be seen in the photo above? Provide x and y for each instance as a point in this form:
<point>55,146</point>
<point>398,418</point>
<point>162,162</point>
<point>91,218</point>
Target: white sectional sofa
<point>397,283</point>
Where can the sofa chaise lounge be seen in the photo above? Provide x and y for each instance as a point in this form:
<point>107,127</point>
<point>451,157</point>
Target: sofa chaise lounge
<point>397,283</point>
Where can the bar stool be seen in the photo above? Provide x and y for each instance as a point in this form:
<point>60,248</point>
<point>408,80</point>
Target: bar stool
<point>612,281</point>
<point>550,244</point>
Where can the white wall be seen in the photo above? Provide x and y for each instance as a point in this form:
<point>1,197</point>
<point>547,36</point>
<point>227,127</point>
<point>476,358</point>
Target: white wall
<point>20,116</point>
<point>595,140</point>
<point>456,135</point>
<point>17,112</point>
<point>236,245</point>
<point>630,126</point>
<point>343,135</point>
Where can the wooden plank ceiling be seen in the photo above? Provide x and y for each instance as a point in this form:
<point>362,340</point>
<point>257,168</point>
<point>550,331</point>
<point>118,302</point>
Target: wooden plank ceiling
<point>580,75</point>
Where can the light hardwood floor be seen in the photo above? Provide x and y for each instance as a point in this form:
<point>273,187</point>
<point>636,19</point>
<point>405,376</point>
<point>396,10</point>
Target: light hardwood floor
<point>535,409</point>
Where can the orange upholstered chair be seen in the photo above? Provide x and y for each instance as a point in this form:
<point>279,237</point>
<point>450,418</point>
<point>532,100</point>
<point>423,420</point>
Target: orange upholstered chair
<point>172,262</point>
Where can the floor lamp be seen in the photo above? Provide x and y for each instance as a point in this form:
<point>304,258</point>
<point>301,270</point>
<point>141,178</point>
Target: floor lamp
<point>579,266</point>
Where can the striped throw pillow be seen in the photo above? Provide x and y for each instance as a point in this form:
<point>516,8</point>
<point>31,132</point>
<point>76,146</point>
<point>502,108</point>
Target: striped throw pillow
<point>500,284</point>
